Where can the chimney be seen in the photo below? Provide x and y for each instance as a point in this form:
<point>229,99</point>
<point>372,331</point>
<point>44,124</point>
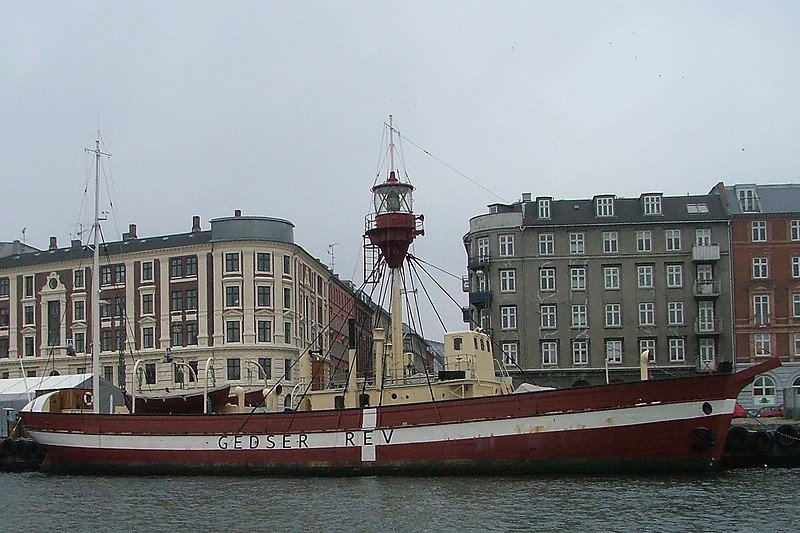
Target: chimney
<point>526,197</point>
<point>195,223</point>
<point>76,243</point>
<point>131,233</point>
<point>53,243</point>
<point>237,213</point>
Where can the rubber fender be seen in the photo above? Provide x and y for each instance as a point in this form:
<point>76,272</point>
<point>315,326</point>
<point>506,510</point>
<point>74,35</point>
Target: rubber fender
<point>786,435</point>
<point>703,439</point>
<point>7,447</point>
<point>20,446</point>
<point>737,438</point>
<point>762,441</point>
<point>27,449</point>
<point>37,451</point>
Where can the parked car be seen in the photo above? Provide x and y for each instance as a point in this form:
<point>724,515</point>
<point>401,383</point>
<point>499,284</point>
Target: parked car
<point>773,411</point>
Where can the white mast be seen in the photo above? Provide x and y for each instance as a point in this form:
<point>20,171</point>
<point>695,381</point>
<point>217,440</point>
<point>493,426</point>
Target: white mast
<point>96,281</point>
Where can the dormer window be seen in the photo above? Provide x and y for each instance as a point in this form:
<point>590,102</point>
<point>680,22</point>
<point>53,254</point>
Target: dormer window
<point>651,204</point>
<point>748,201</point>
<point>604,206</point>
<point>543,205</point>
<point>694,209</point>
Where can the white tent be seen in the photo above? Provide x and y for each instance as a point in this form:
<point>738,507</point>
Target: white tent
<point>15,393</point>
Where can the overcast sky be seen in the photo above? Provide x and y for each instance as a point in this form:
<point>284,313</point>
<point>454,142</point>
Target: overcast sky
<point>277,109</point>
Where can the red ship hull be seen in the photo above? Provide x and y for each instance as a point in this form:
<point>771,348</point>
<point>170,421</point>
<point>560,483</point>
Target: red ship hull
<point>664,425</point>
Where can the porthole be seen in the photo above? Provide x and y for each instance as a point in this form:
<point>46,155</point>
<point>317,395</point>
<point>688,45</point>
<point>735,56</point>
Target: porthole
<point>707,409</point>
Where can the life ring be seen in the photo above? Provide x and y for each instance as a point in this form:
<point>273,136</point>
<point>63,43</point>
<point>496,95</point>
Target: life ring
<point>87,399</point>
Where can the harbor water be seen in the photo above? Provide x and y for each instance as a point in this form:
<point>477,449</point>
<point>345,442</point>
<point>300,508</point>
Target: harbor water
<point>737,500</point>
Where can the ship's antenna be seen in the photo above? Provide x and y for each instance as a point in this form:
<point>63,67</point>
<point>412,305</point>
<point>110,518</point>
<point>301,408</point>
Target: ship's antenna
<point>23,234</point>
<point>333,257</point>
<point>391,145</point>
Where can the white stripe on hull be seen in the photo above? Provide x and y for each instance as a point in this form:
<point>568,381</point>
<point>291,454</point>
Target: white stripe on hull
<point>368,437</point>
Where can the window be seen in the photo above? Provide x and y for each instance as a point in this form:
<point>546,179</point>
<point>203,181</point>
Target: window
<point>579,316</point>
<point>648,345</point>
<point>611,277</point>
<point>80,342</point>
<point>762,344</point>
<point>287,369</point>
<point>191,300</point>
<point>78,279</point>
<point>119,274</point>
<point>708,352</point>
<point>234,367</point>
<point>508,280</point>
<point>191,265</point>
<point>544,207</point>
<point>547,244</point>
<point>647,316</point>
<point>702,237</point>
<point>748,201</point>
<point>232,262</point>
<point>263,262</point>
<point>614,351</point>
<point>549,351</point>
<point>797,343</point>
<point>547,279</point>
<point>548,316</point>
<point>79,310</point>
<point>644,241</point>
<point>28,315</point>
<point>760,267</point>
<point>105,309</point>
<point>4,347</point>
<point>5,318</point>
<point>264,296</point>
<point>177,334</point>
<point>577,243</point>
<point>287,298</point>
<point>506,245</point>
<point>796,305</point>
<point>577,278</point>
<point>764,390</point>
<point>4,287</point>
<point>672,239</point>
<point>580,352</point>
<point>175,267</point>
<point>644,276</point>
<point>193,373</point>
<point>610,242</point>
<point>675,313</point>
<point>28,347</point>
<point>481,281</point>
<point>176,301</point>
<point>233,330</point>
<point>264,331</point>
<point>191,333</point>
<point>232,296</point>
<point>483,248</point>
<point>696,208</point>
<point>147,304</point>
<point>613,315</point>
<point>652,204</point>
<point>147,271</point>
<point>287,332</point>
<point>674,276</point>
<point>604,206</point>
<point>510,352</point>
<point>105,340</point>
<point>758,230</point>
<point>287,265</point>
<point>265,368</point>
<point>28,287</point>
<point>796,267</point>
<point>147,337</point>
<point>508,317</point>
<point>677,349</point>
<point>794,230</point>
<point>761,309</point>
<point>150,373</point>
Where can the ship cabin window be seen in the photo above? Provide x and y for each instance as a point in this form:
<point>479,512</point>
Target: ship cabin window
<point>338,401</point>
<point>483,348</point>
<point>457,343</point>
<point>363,400</point>
<point>392,198</point>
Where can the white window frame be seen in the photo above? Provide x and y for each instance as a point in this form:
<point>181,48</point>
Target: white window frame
<point>580,317</point>
<point>510,351</point>
<point>796,305</point>
<point>577,278</point>
<point>644,276</point>
<point>761,309</point>
<point>577,243</point>
<point>748,201</point>
<point>613,351</point>
<point>702,237</point>
<point>580,352</point>
<point>762,344</point>
<point>647,314</point>
<point>794,230</point>
<point>508,280</point>
<point>758,230</point>
<point>652,204</point>
<point>672,240</point>
<point>508,317</point>
<point>796,267</point>
<point>548,314</point>
<point>543,206</point>
<point>604,206</point>
<point>677,349</point>
<point>505,245</point>
<point>610,242</point>
<point>612,277</point>
<point>674,276</point>
<point>650,345</point>
<point>675,315</point>
<point>549,351</point>
<point>760,267</point>
<point>547,244</point>
<point>613,315</point>
<point>644,241</point>
<point>482,244</point>
<point>764,390</point>
<point>797,343</point>
<point>547,279</point>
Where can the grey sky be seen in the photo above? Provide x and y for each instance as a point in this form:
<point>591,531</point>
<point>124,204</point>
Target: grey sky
<point>277,109</point>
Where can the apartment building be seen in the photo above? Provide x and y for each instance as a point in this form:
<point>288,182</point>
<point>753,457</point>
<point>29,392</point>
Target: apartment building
<point>765,222</point>
<point>573,291</point>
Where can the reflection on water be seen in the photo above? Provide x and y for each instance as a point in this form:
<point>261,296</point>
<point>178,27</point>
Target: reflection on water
<point>740,500</point>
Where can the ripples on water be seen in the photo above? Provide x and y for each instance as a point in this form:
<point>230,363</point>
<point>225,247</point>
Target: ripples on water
<point>740,500</point>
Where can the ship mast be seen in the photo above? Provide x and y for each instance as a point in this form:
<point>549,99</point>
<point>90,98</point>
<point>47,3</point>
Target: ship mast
<point>96,280</point>
<point>392,227</point>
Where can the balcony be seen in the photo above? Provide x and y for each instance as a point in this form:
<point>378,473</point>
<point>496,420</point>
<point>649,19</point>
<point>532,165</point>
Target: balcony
<point>706,288</point>
<point>480,299</point>
<point>711,326</point>
<point>479,262</point>
<point>705,254</point>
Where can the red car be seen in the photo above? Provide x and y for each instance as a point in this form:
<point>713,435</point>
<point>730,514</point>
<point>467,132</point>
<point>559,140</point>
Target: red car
<point>770,412</point>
